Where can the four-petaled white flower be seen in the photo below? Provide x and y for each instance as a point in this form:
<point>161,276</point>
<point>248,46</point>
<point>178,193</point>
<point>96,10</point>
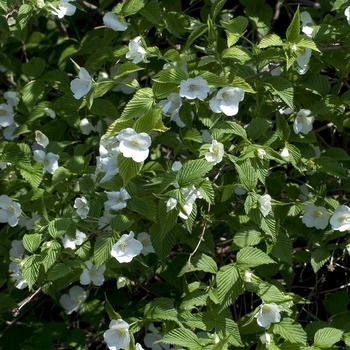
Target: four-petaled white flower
<point>306,19</point>
<point>268,313</point>
<point>303,122</point>
<point>117,336</point>
<point>151,338</point>
<point>172,104</point>
<point>50,161</point>
<point>82,85</point>
<point>82,207</point>
<point>86,127</point>
<point>108,146</point>
<point>347,14</point>
<point>117,200</point>
<point>340,220</point>
<point>110,166</point>
<point>17,275</point>
<point>41,138</point>
<point>11,98</point>
<point>9,210</point>
<point>315,216</point>
<point>92,274</point>
<point>6,115</point>
<point>265,204</point>
<point>126,248</point>
<point>303,61</point>
<point>171,204</point>
<point>117,23</point>
<point>134,145</point>
<point>190,194</point>
<point>136,51</point>
<point>227,100</point>
<point>194,88</point>
<point>216,152</point>
<point>73,242</point>
<point>17,249</point>
<point>64,9</point>
<point>73,300</point>
<point>145,239</point>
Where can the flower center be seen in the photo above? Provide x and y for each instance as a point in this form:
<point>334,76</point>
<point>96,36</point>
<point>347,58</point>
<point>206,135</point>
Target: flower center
<point>11,209</point>
<point>134,143</point>
<point>123,246</point>
<point>192,88</point>
<point>92,272</point>
<point>266,308</point>
<point>342,218</point>
<point>46,161</point>
<point>225,96</point>
<point>318,214</point>
<point>145,243</point>
<point>3,112</point>
<point>121,331</point>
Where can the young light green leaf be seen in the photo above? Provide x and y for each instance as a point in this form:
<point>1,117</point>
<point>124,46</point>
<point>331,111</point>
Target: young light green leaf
<point>270,40</point>
<point>131,7</point>
<point>200,262</point>
<point>281,87</point>
<point>293,30</point>
<point>128,168</point>
<point>140,104</point>
<point>290,330</point>
<point>61,226</point>
<point>251,257</point>
<point>160,309</point>
<point>182,337</point>
<point>326,337</point>
<point>192,170</point>
<point>319,257</point>
<point>31,242</point>
<point>50,253</point>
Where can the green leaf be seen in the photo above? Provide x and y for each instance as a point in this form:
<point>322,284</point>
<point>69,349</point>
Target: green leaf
<point>241,83</point>
<point>57,271</point>
<point>328,336</point>
<point>331,166</point>
<point>293,30</point>
<point>229,128</point>
<point>31,242</point>
<point>182,337</point>
<point>30,271</point>
<point>32,174</point>
<point>110,311</point>
<point>121,223</point>
<point>251,257</point>
<point>148,122</point>
<point>216,7</point>
<point>270,40</point>
<point>192,170</point>
<point>337,302</point>
<point>317,83</point>
<point>283,249</point>
<point>34,68</point>
<point>281,87</point>
<point>152,12</point>
<point>198,31</point>
<point>103,247</point>
<point>128,168</point>
<point>258,127</point>
<point>247,175</point>
<point>7,302</point>
<point>170,75</point>
<point>140,104</point>
<point>234,29</point>
<point>206,189</point>
<point>290,331</point>
<point>247,236</point>
<point>213,79</point>
<point>319,257</point>
<point>32,92</point>
<point>162,241</point>
<point>130,7</point>
<point>24,15</point>
<point>229,284</point>
<point>306,42</point>
<point>200,262</point>
<point>61,226</point>
<point>160,309</point>
<point>50,254</point>
<point>104,108</point>
<point>236,53</point>
<point>175,23</point>
<point>144,206</point>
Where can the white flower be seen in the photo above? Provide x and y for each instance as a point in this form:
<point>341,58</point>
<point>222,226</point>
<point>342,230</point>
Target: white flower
<point>240,191</point>
<point>227,100</point>
<point>265,338</point>
<point>306,19</point>
<point>121,282</point>
<point>110,167</point>
<point>8,132</point>
<point>50,161</point>
<point>190,194</point>
<point>17,275</point>
<point>194,88</point>
<point>41,138</point>
<point>172,104</point>
<point>145,239</point>
<point>347,14</point>
<point>151,338</point>
<point>340,220</point>
<point>72,243</point>
<point>82,207</point>
<point>268,313</point>
<point>302,122</point>
<point>9,210</point>
<point>261,153</point>
<point>11,98</point>
<point>117,200</point>
<point>226,17</point>
<point>134,145</point>
<point>104,221</point>
<point>108,146</point>
<point>303,61</point>
<point>73,300</point>
<point>117,23</point>
<point>285,154</point>
<point>64,9</point>
<point>17,249</point>
<point>216,152</point>
<point>176,166</point>
<point>30,222</point>
<point>3,69</point>
<point>86,127</point>
<point>91,274</point>
<point>265,204</point>
<point>117,336</point>
<point>6,115</point>
<point>82,85</point>
<point>286,110</point>
<point>139,347</point>
<point>136,51</point>
<point>247,277</point>
<point>126,248</point>
<point>171,204</point>
<point>315,216</point>
<point>50,113</point>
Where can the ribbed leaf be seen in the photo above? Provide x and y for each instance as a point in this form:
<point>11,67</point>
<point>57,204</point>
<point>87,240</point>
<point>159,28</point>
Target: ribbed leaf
<point>258,127</point>
<point>34,68</point>
<point>294,28</point>
<point>290,331</point>
<point>251,257</point>
<point>140,104</point>
<point>229,128</point>
<point>31,242</point>
<point>192,170</point>
<point>283,249</point>
<point>128,168</point>
<point>247,236</point>
<point>57,271</point>
<point>131,7</point>
<point>30,271</point>
<point>162,241</point>
<point>170,75</point>
<point>337,302</point>
<point>200,262</point>
<point>182,337</point>
<point>61,226</point>
<point>32,92</point>
<point>319,257</point>
<point>212,79</point>
<point>270,40</point>
<point>121,222</point>
<point>50,254</point>
<point>160,309</point>
<point>152,12</point>
<point>147,122</point>
<point>247,175</point>
<point>103,247</point>
<point>281,87</point>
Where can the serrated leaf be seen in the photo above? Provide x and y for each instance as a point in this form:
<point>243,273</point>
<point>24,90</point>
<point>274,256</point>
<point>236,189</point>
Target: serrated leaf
<point>229,284</point>
<point>195,298</point>
<point>328,336</point>
<point>247,236</point>
<point>24,15</point>
<point>104,108</point>
<point>57,271</point>
<point>306,42</point>
<point>170,75</point>
<point>126,69</point>
<point>152,12</point>
<point>30,271</point>
<point>192,170</point>
<point>131,7</point>
<point>281,87</point>
<point>247,176</point>
<point>206,189</point>
<point>162,241</point>
<point>120,223</point>
<point>50,254</point>
<point>128,168</point>
<point>318,258</point>
<point>147,122</point>
<point>216,7</point>
<point>175,23</point>
<point>270,40</point>
<point>200,262</point>
<point>293,30</point>
<point>32,174</point>
<point>212,79</point>
<point>251,257</point>
<point>160,309</point>
<point>103,247</point>
<point>31,242</point>
<point>182,337</point>
<point>331,166</point>
<point>32,92</point>
<point>337,302</point>
<point>317,83</point>
<point>60,175</point>
<point>145,206</point>
<point>112,314</point>
<point>283,249</point>
<point>196,33</point>
<point>290,331</point>
<point>61,226</point>
<point>140,104</point>
<point>241,83</point>
<point>229,127</point>
<point>34,68</point>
